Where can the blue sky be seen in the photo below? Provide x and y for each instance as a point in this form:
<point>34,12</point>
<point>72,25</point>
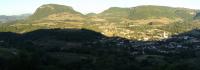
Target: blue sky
<point>15,7</point>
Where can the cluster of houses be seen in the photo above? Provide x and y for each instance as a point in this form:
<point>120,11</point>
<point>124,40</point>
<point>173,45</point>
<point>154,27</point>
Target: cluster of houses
<point>165,46</point>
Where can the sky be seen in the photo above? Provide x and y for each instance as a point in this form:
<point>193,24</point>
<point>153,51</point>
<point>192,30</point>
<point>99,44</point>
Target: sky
<point>16,7</point>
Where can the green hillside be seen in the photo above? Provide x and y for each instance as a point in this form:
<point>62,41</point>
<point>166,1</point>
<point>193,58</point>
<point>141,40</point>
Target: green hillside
<point>48,9</point>
<point>116,12</point>
<point>142,12</point>
<point>148,12</point>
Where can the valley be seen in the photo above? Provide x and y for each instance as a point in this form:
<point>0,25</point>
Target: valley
<point>147,37</point>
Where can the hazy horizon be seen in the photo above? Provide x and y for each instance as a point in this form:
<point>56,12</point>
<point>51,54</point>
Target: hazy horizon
<point>17,7</point>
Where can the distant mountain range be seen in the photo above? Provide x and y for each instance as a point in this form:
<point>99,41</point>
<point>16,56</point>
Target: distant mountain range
<point>5,18</point>
<point>144,12</point>
<point>132,13</point>
<point>138,12</point>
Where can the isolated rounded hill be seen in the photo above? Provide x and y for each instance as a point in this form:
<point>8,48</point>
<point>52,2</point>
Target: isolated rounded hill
<point>49,9</point>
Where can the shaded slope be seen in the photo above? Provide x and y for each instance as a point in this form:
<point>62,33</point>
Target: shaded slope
<point>76,35</point>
